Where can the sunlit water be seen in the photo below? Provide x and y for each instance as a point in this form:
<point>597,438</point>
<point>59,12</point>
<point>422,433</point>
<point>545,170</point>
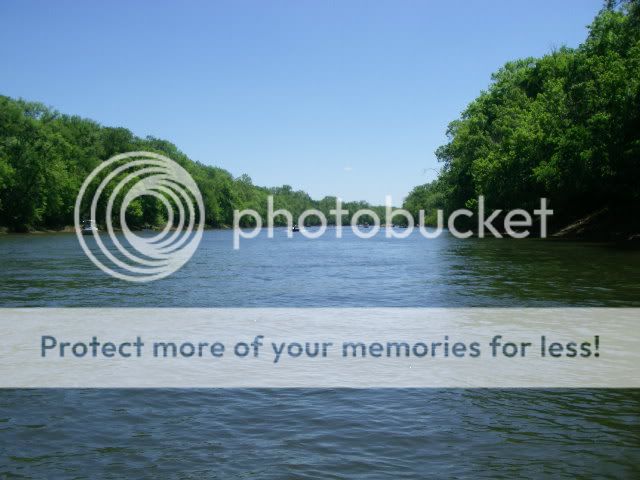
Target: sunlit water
<point>325,433</point>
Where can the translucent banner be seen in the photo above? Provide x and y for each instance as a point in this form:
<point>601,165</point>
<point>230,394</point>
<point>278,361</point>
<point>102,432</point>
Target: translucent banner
<point>324,348</point>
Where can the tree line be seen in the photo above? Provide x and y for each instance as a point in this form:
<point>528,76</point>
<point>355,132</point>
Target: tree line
<point>565,126</point>
<point>45,157</point>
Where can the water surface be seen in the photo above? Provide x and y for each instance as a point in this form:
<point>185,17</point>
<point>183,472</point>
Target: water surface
<point>325,433</point>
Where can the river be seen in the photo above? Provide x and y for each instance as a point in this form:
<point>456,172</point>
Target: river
<point>328,433</point>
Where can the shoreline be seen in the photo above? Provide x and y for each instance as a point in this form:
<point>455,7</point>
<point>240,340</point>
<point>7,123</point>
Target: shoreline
<point>571,233</point>
<point>71,229</point>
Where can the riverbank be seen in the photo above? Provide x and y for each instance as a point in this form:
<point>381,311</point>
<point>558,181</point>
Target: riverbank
<point>591,228</point>
<point>604,224</point>
<point>607,224</point>
<point>71,229</point>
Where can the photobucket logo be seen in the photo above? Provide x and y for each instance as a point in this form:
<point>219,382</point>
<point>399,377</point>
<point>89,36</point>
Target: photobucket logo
<point>516,223</point>
<point>121,182</point>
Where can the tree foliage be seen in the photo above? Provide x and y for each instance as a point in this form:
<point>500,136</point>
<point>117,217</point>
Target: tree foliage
<point>45,157</point>
<point>565,126</point>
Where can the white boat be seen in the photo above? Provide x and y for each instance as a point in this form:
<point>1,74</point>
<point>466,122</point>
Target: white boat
<point>88,228</point>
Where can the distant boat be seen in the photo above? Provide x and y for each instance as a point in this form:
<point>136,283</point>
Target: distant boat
<point>88,228</point>
<point>295,228</point>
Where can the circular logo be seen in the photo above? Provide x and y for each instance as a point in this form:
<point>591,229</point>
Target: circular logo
<point>123,180</point>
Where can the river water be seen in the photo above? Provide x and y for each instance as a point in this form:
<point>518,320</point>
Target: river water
<point>327,433</point>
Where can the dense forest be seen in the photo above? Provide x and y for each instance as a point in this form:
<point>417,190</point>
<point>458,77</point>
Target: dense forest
<point>565,126</point>
<point>45,156</point>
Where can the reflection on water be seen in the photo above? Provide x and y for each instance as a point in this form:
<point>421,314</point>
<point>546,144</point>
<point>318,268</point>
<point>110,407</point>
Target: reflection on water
<point>325,433</point>
<point>51,270</point>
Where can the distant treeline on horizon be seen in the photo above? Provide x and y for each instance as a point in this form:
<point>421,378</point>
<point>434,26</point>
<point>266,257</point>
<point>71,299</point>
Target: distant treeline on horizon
<point>565,126</point>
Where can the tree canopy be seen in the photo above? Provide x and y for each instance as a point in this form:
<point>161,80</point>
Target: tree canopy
<point>45,157</point>
<point>565,126</point>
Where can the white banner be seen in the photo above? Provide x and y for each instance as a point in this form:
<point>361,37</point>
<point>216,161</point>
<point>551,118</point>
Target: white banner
<point>358,348</point>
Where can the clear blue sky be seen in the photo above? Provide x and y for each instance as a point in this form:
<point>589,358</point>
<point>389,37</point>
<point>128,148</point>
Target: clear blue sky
<point>349,98</point>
